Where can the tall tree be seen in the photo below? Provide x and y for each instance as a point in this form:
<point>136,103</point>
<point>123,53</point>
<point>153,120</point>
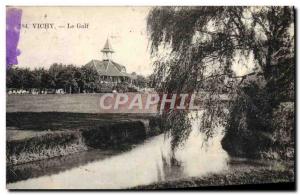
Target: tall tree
<point>204,43</point>
<point>90,78</point>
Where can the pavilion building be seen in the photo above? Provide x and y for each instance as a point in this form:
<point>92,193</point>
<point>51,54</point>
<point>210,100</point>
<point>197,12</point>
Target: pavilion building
<point>108,70</point>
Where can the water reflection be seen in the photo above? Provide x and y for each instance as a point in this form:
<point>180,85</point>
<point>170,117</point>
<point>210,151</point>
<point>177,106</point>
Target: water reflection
<point>55,165</point>
<point>147,163</point>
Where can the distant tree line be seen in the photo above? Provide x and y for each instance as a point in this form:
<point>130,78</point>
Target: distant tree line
<point>70,78</point>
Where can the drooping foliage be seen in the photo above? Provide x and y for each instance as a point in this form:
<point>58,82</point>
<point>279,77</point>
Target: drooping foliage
<point>196,49</point>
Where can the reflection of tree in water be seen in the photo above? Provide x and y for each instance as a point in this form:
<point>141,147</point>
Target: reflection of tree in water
<point>171,169</point>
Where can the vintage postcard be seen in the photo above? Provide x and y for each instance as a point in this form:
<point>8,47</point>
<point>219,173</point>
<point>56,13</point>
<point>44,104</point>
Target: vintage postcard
<point>143,98</point>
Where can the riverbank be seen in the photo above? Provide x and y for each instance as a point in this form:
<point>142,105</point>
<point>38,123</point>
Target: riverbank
<point>37,136</point>
<point>27,146</point>
<point>145,166</point>
<point>243,173</point>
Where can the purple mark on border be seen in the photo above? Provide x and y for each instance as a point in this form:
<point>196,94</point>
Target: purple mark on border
<point>13,26</point>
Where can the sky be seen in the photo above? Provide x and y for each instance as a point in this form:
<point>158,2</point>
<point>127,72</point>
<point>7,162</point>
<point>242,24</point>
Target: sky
<point>124,26</point>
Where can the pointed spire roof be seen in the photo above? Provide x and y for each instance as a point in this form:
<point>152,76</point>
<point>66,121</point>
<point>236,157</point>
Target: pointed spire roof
<point>107,47</point>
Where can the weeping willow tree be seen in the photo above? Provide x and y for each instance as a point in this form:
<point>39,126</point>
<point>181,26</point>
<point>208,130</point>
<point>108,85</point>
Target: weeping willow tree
<point>196,48</point>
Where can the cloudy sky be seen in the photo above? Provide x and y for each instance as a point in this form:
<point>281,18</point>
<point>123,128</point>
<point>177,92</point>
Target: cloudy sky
<point>125,26</point>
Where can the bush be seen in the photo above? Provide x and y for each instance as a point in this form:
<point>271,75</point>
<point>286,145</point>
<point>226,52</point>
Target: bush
<point>257,126</point>
<point>283,124</point>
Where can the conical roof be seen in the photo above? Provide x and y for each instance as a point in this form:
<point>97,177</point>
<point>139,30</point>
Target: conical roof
<point>107,47</point>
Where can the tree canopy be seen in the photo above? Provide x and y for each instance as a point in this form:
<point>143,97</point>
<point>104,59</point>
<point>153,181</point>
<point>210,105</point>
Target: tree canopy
<point>204,43</point>
<point>70,78</point>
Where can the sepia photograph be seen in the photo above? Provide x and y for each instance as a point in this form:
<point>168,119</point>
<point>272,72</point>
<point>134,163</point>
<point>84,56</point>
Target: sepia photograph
<point>150,98</point>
